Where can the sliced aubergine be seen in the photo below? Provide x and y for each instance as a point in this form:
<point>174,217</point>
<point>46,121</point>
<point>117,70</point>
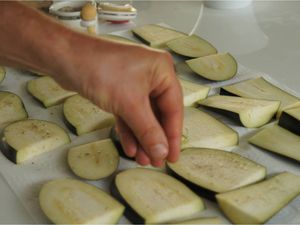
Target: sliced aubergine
<point>290,119</point>
<point>155,35</point>
<point>11,108</point>
<point>154,197</point>
<point>117,38</point>
<point>25,139</point>
<point>217,67</point>
<point>278,140</point>
<point>204,131</point>
<point>94,160</point>
<point>204,220</point>
<point>211,171</point>
<point>193,92</point>
<point>251,113</point>
<point>191,46</point>
<point>259,88</point>
<point>47,91</point>
<point>256,203</point>
<point>68,201</point>
<point>82,116</point>
<point>2,73</point>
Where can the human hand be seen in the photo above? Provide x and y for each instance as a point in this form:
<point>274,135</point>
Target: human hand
<point>138,85</point>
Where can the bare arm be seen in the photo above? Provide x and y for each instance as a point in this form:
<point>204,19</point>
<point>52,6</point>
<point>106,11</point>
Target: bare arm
<point>135,83</point>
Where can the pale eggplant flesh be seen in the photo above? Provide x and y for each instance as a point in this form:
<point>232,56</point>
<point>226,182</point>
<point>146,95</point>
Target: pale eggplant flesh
<point>251,113</point>
<point>154,197</point>
<point>94,160</point>
<point>156,36</point>
<point>212,171</point>
<point>278,140</point>
<point>82,116</point>
<point>12,108</point>
<point>201,130</point>
<point>191,46</point>
<point>47,91</point>
<point>69,201</point>
<point>259,88</point>
<point>26,139</point>
<point>216,67</point>
<point>257,203</point>
<point>193,92</point>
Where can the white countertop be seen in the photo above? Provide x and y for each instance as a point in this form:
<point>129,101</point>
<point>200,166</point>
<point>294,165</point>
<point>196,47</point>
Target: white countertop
<point>264,37</point>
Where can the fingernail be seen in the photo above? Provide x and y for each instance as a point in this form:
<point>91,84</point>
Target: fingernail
<point>158,151</point>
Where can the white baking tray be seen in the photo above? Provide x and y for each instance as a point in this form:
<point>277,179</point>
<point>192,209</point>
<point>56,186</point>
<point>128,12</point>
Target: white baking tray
<point>26,179</point>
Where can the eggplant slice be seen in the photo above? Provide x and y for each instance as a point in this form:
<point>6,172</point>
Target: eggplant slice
<point>94,160</point>
<point>259,88</point>
<point>204,131</point>
<point>113,135</point>
<point>193,92</point>
<point>154,197</point>
<point>11,108</point>
<point>211,171</point>
<point>26,139</point>
<point>204,220</point>
<point>290,119</point>
<point>156,36</point>
<point>252,113</point>
<point>82,116</point>
<point>47,91</point>
<point>217,67</point>
<point>191,46</point>
<point>2,73</point>
<point>278,140</point>
<point>68,201</point>
<point>257,203</point>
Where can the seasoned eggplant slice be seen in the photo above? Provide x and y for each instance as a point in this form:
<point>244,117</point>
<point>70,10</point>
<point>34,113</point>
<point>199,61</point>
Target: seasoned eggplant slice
<point>290,119</point>
<point>193,92</point>
<point>82,116</point>
<point>68,201</point>
<point>2,73</point>
<point>47,91</point>
<point>204,131</point>
<point>211,171</point>
<point>256,203</point>
<point>191,46</point>
<point>251,113</point>
<point>154,197</point>
<point>155,35</point>
<point>11,108</point>
<point>25,139</point>
<point>94,160</point>
<point>278,140</point>
<point>217,67</point>
<point>204,220</point>
<point>259,88</point>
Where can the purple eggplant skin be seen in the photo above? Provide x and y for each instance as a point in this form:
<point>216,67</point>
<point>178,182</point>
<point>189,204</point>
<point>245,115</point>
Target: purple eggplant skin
<point>290,123</point>
<point>130,213</point>
<point>9,152</point>
<point>225,92</point>
<point>202,192</point>
<point>70,126</point>
<point>234,116</point>
<point>116,140</point>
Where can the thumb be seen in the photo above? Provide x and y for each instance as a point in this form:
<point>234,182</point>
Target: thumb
<point>147,129</point>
